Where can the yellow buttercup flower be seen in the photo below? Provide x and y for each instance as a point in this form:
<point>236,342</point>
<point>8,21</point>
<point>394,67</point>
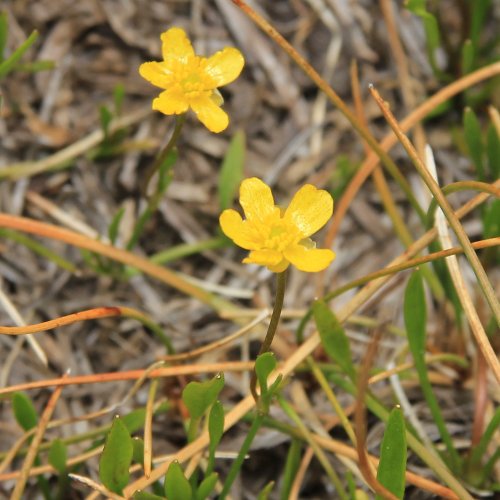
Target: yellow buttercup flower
<point>279,238</point>
<point>191,81</point>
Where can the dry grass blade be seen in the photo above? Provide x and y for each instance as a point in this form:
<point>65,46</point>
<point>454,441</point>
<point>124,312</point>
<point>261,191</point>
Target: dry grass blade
<point>453,220</point>
<point>96,486</point>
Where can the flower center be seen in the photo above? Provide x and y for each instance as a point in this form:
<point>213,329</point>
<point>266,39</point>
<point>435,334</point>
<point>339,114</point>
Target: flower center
<point>280,236</point>
<point>192,79</point>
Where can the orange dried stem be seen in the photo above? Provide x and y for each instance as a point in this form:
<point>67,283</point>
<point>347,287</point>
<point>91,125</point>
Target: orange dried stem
<point>453,221</point>
<point>72,238</point>
<point>390,140</point>
<point>334,98</point>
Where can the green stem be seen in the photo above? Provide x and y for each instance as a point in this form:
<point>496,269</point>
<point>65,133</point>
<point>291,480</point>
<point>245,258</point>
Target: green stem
<point>245,447</point>
<point>271,330</point>
<point>163,182</point>
<point>162,156</point>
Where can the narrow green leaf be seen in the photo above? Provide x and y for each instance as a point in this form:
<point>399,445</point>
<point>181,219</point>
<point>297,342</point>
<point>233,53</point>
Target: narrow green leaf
<point>144,495</point>
<point>333,337</point>
<point>433,38</point>
<point>493,152</point>
<point>115,225</point>
<point>134,420</point>
<point>8,64</point>
<point>467,57</point>
<point>118,96</point>
<point>116,457</point>
<point>177,487</point>
<point>105,116</point>
<point>477,18</point>
<point>473,138</point>
<point>4,33</point>
<point>206,486</point>
<point>24,411</point>
<point>138,450</point>
<point>415,317</point>
<point>231,172</point>
<point>264,365</point>
<point>266,491</point>
<point>215,431</point>
<point>392,465</point>
<point>292,463</point>
<point>199,396</point>
<point>58,455</point>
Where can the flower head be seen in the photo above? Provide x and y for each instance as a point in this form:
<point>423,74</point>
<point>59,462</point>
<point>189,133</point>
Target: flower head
<point>191,81</point>
<point>279,238</point>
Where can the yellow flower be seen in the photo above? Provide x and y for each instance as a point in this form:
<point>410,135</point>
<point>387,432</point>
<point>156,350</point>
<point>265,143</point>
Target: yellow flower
<point>191,81</point>
<point>279,238</point>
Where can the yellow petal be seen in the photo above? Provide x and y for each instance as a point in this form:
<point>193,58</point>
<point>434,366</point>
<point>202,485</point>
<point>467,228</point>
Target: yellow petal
<point>279,268</point>
<point>225,66</point>
<point>264,258</point>
<point>257,199</point>
<point>211,115</point>
<point>176,45</point>
<point>171,102</point>
<point>235,228</point>
<point>156,73</point>
<point>309,260</point>
<point>310,209</point>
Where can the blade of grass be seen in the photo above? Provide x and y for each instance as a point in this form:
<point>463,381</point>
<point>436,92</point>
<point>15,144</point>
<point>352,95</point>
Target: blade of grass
<point>334,98</point>
<point>455,225</point>
<point>303,351</point>
<point>342,205</point>
<point>415,316</point>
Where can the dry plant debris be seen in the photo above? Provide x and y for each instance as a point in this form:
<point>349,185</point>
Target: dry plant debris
<point>166,303</point>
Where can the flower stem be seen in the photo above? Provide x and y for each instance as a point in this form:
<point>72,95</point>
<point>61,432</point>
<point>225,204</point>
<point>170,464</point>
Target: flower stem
<point>273,325</point>
<point>162,156</point>
<point>163,182</point>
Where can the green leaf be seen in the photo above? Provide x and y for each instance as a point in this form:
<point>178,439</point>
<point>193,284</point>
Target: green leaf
<point>206,486</point>
<point>4,33</point>
<point>473,138</point>
<point>24,411</point>
<point>415,316</point>
<point>106,116</point>
<point>8,64</point>
<point>418,7</point>
<point>231,172</point>
<point>118,96</point>
<point>134,420</point>
<point>392,465</point>
<point>215,431</point>
<point>333,337</point>
<point>58,455</point>
<point>199,396</point>
<point>115,225</point>
<point>292,463</point>
<point>144,495</point>
<point>467,57</point>
<point>264,365</point>
<point>177,487</point>
<point>266,491</point>
<point>138,450</point>
<point>493,151</point>
<point>477,18</point>
<point>116,457</point>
